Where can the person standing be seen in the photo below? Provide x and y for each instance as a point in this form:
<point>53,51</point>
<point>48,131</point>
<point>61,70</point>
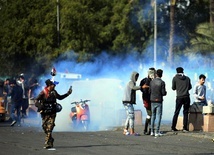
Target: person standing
<point>25,104</point>
<point>146,99</point>
<point>129,99</point>
<point>46,102</point>
<point>6,93</point>
<point>33,88</point>
<point>157,90</point>
<point>182,84</point>
<point>16,102</point>
<point>200,91</point>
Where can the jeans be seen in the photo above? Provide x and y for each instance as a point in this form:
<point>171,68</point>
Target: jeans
<point>157,109</point>
<point>16,108</point>
<point>130,115</point>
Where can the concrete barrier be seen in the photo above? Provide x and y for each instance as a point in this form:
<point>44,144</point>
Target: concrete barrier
<point>208,112</point>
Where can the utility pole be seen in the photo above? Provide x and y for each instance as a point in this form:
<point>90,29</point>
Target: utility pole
<point>155,33</point>
<point>171,37</point>
<point>58,31</point>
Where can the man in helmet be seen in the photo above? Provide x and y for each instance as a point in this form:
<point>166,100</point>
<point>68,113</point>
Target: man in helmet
<point>47,107</point>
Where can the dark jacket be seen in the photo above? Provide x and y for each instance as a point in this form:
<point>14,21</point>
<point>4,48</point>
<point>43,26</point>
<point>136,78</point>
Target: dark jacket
<point>46,101</point>
<point>145,91</point>
<point>16,95</point>
<point>182,85</point>
<point>157,90</point>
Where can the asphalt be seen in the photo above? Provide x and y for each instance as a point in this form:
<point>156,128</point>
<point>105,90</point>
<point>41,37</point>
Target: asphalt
<point>28,139</point>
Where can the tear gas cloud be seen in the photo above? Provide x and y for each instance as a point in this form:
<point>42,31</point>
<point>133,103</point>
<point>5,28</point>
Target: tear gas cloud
<point>102,82</point>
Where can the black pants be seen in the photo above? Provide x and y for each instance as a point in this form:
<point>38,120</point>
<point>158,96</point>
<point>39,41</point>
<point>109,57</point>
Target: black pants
<point>25,105</point>
<point>185,102</point>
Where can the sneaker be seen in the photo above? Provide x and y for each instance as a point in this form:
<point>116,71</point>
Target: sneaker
<point>185,131</point>
<point>13,123</point>
<point>135,134</point>
<point>125,132</point>
<point>173,130</point>
<point>158,134</point>
<point>47,146</point>
<point>146,133</point>
<point>152,134</point>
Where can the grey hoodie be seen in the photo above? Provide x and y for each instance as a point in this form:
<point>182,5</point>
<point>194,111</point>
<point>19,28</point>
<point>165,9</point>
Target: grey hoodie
<point>130,89</point>
<point>181,84</point>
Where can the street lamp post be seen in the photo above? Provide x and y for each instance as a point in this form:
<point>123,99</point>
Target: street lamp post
<point>155,33</point>
<point>171,37</point>
<point>58,32</point>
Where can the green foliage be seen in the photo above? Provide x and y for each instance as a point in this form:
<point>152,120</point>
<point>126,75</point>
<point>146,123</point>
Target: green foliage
<point>203,41</point>
<point>29,35</point>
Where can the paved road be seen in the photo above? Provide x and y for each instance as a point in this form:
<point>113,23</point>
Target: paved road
<point>28,140</point>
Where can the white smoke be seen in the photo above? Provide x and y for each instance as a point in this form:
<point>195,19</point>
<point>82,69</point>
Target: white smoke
<point>102,82</point>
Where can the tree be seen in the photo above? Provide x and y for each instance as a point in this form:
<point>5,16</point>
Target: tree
<point>203,42</point>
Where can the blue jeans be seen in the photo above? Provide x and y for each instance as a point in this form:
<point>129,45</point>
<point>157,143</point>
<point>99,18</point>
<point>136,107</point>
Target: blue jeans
<point>16,108</point>
<point>156,112</point>
<point>130,115</point>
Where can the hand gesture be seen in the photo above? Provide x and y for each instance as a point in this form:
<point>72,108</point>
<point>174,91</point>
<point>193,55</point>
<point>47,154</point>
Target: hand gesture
<point>70,90</point>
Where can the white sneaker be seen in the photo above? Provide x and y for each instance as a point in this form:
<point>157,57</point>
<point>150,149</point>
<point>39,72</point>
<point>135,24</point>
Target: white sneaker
<point>158,134</point>
<point>125,132</point>
<point>13,123</point>
<point>152,134</point>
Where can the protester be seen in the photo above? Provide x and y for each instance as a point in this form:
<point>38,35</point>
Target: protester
<point>200,91</point>
<point>16,102</point>
<point>129,100</point>
<point>46,102</point>
<point>182,84</point>
<point>1,88</point>
<point>33,88</point>
<point>146,99</point>
<point>6,93</point>
<point>157,90</point>
<point>25,104</point>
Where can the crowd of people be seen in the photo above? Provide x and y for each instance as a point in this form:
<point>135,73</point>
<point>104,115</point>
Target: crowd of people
<point>17,92</point>
<point>153,90</point>
<point>20,91</point>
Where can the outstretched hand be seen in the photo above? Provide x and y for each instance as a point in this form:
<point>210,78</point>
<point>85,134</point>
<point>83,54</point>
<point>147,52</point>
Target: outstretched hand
<point>69,91</point>
<point>145,86</point>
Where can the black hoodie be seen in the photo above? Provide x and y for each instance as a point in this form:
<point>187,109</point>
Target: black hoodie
<point>181,84</point>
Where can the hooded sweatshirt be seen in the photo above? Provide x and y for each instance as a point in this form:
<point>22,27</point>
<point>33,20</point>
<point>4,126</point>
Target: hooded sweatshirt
<point>181,84</point>
<point>130,89</point>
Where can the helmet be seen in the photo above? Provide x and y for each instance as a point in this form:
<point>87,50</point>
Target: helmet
<point>58,107</point>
